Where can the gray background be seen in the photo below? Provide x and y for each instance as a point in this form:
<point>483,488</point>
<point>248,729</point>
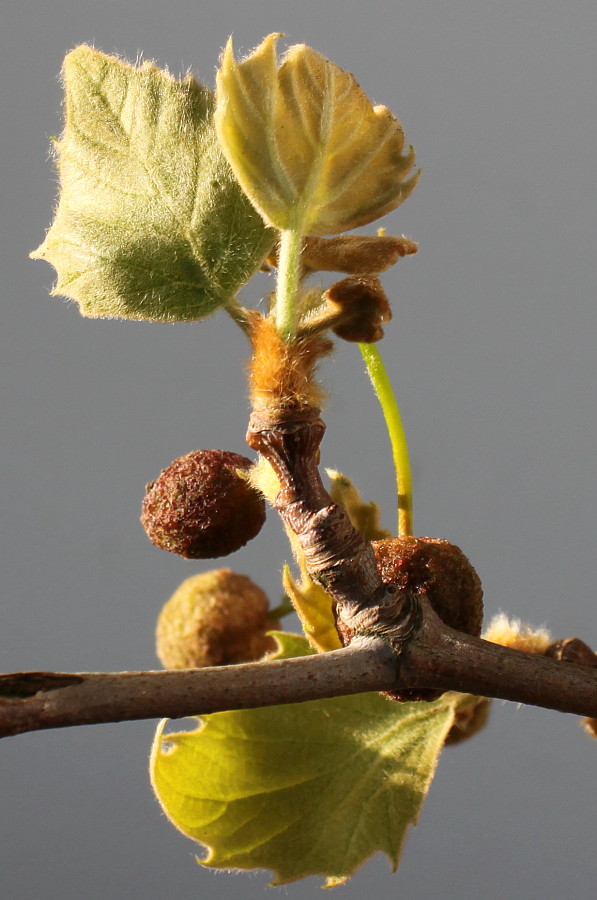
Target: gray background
<point>492,353</point>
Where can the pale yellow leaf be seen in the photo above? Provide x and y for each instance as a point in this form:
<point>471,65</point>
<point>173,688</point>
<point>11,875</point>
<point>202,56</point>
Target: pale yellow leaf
<point>314,609</point>
<point>306,144</point>
<point>364,516</point>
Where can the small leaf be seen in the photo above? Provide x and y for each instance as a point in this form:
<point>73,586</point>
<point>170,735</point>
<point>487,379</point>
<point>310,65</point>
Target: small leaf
<point>364,516</point>
<point>313,606</point>
<point>151,223</point>
<point>306,144</point>
<point>306,789</point>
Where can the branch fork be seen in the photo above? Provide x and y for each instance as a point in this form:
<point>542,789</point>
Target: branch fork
<point>394,641</point>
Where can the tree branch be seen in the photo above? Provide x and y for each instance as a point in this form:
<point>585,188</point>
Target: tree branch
<point>447,659</point>
<point>396,642</point>
<point>38,700</point>
<point>430,655</point>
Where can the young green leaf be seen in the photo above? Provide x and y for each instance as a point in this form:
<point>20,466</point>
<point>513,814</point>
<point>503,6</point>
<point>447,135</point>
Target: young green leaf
<point>307,789</point>
<point>306,144</point>
<point>151,223</point>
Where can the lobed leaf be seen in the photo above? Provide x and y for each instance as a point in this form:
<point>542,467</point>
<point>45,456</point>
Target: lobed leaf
<point>306,789</point>
<point>151,223</point>
<point>305,142</point>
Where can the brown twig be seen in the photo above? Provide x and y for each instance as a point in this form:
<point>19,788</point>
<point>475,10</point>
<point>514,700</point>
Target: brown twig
<point>440,657</point>
<point>432,655</point>
<point>396,641</point>
<point>335,553</point>
<point>30,701</point>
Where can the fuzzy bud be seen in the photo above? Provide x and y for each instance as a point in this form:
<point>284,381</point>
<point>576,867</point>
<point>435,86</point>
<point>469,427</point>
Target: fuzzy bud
<point>201,507</point>
<point>217,618</point>
<point>439,570</point>
<point>517,635</point>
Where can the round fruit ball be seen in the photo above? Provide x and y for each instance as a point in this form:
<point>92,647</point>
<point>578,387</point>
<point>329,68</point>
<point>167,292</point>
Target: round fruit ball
<point>201,507</point>
<point>443,573</point>
<point>214,619</point>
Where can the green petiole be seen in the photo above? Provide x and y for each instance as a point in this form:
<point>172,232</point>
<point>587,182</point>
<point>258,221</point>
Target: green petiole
<point>289,267</point>
<point>385,394</point>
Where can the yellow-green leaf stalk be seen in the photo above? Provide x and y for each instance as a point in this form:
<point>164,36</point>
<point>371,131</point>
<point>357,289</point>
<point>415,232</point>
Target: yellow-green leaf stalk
<point>385,394</point>
<point>289,266</point>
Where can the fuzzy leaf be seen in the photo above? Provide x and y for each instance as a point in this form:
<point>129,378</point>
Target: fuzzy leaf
<point>151,223</point>
<point>306,789</point>
<point>305,142</point>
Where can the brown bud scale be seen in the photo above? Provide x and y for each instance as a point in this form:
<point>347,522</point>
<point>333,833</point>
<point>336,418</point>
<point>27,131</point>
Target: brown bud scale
<point>362,306</point>
<point>469,721</point>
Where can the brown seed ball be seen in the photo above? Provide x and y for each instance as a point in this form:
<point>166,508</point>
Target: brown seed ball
<point>214,619</point>
<point>439,569</point>
<point>444,574</point>
<point>201,508</point>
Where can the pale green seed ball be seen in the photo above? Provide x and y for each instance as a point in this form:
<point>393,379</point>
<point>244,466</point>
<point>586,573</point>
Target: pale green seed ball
<point>214,619</point>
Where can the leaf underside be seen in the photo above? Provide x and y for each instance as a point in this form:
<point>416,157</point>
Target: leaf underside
<point>305,142</point>
<point>306,789</point>
<point>151,223</point>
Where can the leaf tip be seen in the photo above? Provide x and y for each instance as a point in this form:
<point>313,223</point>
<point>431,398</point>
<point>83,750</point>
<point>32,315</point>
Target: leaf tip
<point>335,881</point>
<point>270,41</point>
<point>227,54</point>
<point>78,54</point>
<point>267,46</point>
<point>413,181</point>
<point>38,253</point>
